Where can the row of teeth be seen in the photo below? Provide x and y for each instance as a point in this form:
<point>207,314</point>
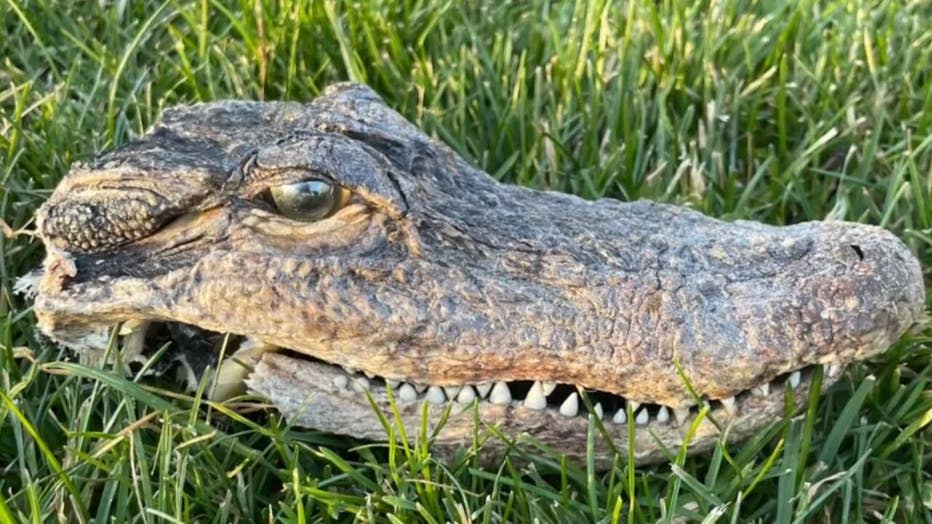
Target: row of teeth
<point>499,393</point>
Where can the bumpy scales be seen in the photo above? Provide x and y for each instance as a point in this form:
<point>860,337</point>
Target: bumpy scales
<point>531,309</point>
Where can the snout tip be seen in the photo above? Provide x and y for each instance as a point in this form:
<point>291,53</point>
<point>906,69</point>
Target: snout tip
<point>871,290</point>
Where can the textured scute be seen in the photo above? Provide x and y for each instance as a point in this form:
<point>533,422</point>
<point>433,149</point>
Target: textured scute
<point>436,273</point>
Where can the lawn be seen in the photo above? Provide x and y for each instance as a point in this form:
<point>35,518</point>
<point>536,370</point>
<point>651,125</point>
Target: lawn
<point>765,110</point>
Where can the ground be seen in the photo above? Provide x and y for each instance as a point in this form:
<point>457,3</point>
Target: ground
<point>772,111</point>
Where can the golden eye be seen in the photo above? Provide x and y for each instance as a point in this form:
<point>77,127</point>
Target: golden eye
<point>309,200</point>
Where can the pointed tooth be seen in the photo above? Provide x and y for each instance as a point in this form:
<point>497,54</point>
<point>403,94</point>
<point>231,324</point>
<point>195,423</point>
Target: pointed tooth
<point>500,394</point>
<point>134,325</point>
<point>642,417</point>
<point>435,395</point>
<point>620,417</point>
<point>535,397</point>
<point>680,414</point>
<point>729,405</point>
<point>134,344</point>
<point>341,381</point>
<point>452,391</point>
<point>833,370</point>
<point>597,409</point>
<point>663,415</point>
<point>570,406</point>
<point>545,387</point>
<point>360,384</point>
<point>368,375</point>
<point>761,391</point>
<point>349,370</point>
<point>634,406</point>
<point>406,392</point>
<point>229,380</point>
<point>420,388</point>
<point>466,395</point>
<point>394,384</point>
<point>794,379</point>
<point>484,389</point>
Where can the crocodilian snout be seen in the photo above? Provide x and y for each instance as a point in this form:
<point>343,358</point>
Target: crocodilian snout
<point>861,289</point>
<point>823,293</point>
<point>872,289</point>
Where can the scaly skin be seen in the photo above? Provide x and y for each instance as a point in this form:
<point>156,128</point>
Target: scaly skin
<point>436,274</point>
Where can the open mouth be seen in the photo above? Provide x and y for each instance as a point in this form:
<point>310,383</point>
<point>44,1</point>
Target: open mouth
<point>191,352</point>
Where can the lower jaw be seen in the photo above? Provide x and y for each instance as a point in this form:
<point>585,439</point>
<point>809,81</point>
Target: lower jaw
<point>323,396</point>
<point>309,394</point>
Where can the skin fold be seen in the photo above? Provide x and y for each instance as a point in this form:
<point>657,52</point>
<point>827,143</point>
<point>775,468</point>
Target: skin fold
<point>434,274</point>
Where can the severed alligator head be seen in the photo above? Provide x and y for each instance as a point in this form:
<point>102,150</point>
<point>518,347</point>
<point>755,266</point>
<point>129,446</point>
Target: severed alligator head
<point>347,251</point>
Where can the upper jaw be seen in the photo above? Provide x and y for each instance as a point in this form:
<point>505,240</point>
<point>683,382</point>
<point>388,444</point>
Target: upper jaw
<point>832,293</point>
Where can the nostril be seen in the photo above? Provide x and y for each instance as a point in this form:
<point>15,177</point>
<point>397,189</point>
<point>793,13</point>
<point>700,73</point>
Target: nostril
<point>857,249</point>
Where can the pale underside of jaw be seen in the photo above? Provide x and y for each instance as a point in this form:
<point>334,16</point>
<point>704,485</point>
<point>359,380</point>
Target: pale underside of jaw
<point>535,399</point>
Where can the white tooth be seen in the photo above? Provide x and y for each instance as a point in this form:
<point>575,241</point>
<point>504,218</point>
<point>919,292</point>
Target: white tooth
<point>349,370</point>
<point>620,417</point>
<point>680,414</point>
<point>229,381</point>
<point>535,397</point>
<point>548,387</point>
<point>729,405</point>
<point>794,379</point>
<point>634,406</point>
<point>360,384</point>
<point>134,343</point>
<point>642,417</point>
<point>663,415</point>
<point>435,395</point>
<point>467,395</point>
<point>763,390</point>
<point>231,376</point>
<point>367,374</point>
<point>341,381</point>
<point>833,370</point>
<point>420,388</point>
<point>597,409</point>
<point>484,389</point>
<point>134,325</point>
<point>500,394</point>
<point>395,384</point>
<point>570,406</point>
<point>406,393</point>
<point>452,391</point>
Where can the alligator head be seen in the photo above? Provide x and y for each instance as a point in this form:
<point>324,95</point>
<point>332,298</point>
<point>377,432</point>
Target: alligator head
<point>351,255</point>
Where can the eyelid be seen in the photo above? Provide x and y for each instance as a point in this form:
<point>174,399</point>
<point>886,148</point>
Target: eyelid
<point>258,181</point>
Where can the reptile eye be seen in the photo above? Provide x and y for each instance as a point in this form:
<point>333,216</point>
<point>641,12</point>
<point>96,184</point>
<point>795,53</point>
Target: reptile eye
<point>309,200</point>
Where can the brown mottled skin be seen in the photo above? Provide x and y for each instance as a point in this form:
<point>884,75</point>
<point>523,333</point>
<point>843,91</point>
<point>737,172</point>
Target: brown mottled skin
<point>435,273</point>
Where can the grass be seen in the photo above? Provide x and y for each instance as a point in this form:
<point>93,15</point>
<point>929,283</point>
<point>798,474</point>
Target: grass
<point>766,110</point>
